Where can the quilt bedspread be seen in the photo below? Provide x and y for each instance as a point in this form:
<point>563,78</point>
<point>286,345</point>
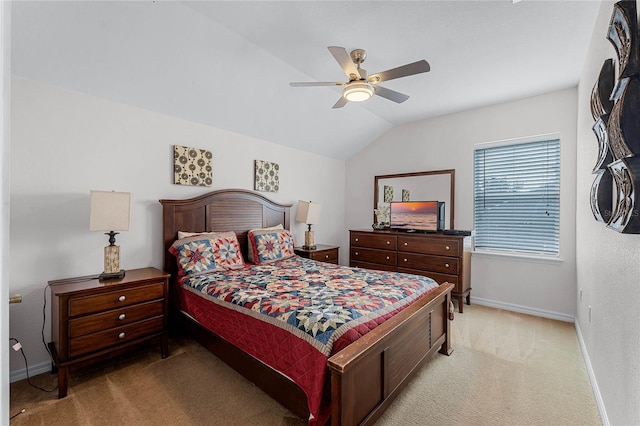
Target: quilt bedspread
<point>295,313</point>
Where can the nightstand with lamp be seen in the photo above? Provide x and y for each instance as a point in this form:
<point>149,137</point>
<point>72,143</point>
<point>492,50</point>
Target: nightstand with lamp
<point>309,213</point>
<point>98,317</point>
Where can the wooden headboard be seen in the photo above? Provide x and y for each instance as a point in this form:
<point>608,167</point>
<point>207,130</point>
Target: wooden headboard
<point>236,210</point>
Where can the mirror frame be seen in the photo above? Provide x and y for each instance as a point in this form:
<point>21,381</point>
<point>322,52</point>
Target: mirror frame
<point>452,187</point>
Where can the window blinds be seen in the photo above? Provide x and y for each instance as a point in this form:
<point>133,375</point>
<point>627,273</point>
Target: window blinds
<point>517,197</point>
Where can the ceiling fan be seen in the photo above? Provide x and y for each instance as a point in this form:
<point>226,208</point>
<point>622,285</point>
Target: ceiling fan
<point>360,87</point>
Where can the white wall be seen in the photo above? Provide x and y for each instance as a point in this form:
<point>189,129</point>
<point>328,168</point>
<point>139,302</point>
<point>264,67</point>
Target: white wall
<point>66,143</point>
<point>5,151</point>
<point>543,287</point>
<point>608,265</point>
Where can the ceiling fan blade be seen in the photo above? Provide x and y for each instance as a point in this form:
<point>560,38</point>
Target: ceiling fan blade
<point>317,83</point>
<point>392,95</point>
<point>347,65</point>
<point>402,71</point>
<point>341,102</point>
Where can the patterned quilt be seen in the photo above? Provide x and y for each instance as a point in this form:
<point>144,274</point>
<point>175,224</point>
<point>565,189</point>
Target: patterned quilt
<point>295,313</point>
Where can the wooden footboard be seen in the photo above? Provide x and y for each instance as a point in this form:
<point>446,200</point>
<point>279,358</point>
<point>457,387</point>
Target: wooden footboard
<point>368,374</point>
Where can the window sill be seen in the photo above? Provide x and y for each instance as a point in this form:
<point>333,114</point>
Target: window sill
<point>518,256</point>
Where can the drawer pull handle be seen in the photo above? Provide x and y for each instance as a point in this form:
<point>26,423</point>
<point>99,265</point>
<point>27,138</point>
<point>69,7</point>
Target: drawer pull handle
<point>406,244</point>
<point>122,298</point>
<point>447,247</point>
<point>405,260</point>
<point>326,256</point>
<point>446,265</point>
<point>388,242</point>
<point>121,317</point>
<point>357,254</point>
<point>121,335</point>
<point>357,239</point>
<point>387,257</point>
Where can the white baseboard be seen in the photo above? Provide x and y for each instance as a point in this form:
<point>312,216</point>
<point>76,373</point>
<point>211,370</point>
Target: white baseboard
<point>524,309</point>
<point>34,370</point>
<point>592,377</point>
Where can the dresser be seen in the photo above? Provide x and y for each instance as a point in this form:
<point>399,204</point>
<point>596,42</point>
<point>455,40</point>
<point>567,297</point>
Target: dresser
<point>438,256</point>
<point>322,252</point>
<point>94,320</point>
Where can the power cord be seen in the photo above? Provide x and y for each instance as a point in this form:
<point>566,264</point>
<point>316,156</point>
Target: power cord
<point>18,347</point>
<point>44,318</point>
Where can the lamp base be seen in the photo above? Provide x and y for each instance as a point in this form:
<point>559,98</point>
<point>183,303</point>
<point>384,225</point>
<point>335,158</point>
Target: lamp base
<point>111,275</point>
<point>309,242</point>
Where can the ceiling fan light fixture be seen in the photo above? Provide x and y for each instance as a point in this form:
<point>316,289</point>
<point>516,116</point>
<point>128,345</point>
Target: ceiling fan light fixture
<point>357,91</point>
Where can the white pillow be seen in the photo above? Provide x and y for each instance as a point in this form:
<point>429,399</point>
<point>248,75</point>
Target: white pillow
<point>271,228</point>
<point>182,234</point>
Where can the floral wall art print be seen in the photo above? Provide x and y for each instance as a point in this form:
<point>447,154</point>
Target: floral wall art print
<point>192,166</point>
<point>267,178</point>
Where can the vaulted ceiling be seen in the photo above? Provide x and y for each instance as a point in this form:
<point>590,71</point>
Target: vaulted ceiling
<point>229,64</point>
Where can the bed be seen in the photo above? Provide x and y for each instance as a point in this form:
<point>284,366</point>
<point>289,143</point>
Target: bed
<point>360,379</point>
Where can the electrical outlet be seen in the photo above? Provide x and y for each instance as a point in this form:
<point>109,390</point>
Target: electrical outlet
<point>589,313</point>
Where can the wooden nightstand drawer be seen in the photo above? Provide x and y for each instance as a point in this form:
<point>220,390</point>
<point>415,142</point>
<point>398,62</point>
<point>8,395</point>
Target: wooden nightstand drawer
<point>115,299</point>
<point>330,256</point>
<point>114,318</point>
<point>93,342</point>
<point>322,253</point>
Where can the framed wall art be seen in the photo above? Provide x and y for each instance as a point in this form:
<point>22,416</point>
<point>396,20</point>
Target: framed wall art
<point>267,178</point>
<point>192,166</point>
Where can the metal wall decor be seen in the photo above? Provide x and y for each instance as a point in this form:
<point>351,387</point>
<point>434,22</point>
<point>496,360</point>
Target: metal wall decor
<point>615,107</point>
<point>192,166</point>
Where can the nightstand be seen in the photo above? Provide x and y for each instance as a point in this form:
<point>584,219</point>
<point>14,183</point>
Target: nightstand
<point>322,252</point>
<point>95,320</point>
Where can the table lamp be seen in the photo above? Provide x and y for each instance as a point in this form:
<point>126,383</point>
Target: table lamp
<point>110,211</point>
<point>308,213</point>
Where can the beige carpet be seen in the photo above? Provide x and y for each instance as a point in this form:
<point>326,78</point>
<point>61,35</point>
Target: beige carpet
<point>506,369</point>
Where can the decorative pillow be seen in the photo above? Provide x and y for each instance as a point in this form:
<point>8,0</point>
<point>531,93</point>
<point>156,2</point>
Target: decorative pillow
<point>270,228</point>
<point>269,245</point>
<point>183,234</point>
<point>208,252</point>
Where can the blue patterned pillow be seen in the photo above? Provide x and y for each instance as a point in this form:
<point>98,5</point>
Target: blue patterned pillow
<point>269,245</point>
<point>194,255</point>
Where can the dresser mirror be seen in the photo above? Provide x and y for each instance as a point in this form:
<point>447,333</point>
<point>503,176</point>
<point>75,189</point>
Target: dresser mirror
<point>434,185</point>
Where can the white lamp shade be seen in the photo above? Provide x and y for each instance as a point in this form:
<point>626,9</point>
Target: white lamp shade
<point>110,211</point>
<point>308,212</point>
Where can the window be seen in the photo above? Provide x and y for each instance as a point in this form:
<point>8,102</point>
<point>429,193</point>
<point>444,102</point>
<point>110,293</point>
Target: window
<point>517,197</point>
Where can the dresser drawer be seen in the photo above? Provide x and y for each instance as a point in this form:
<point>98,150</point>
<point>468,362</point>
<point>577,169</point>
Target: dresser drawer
<point>441,264</point>
<point>114,336</point>
<point>437,277</point>
<point>381,241</point>
<point>438,246</point>
<point>114,318</point>
<point>374,266</point>
<point>115,299</point>
<point>381,257</point>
